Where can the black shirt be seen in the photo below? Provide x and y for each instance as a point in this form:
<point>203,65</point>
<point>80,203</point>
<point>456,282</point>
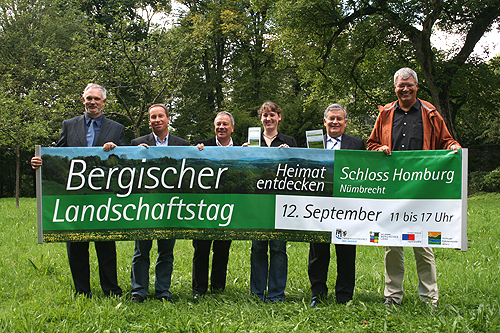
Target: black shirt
<point>279,140</point>
<point>408,128</point>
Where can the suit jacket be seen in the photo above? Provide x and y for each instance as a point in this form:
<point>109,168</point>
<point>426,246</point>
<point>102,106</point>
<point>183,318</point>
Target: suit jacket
<point>149,139</point>
<point>348,142</point>
<point>319,253</point>
<point>212,142</point>
<point>73,133</point>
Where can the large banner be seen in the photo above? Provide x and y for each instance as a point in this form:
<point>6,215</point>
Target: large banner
<point>345,197</point>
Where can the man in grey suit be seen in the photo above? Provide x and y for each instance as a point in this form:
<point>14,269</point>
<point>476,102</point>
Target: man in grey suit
<point>335,120</point>
<point>89,130</point>
<point>158,120</point>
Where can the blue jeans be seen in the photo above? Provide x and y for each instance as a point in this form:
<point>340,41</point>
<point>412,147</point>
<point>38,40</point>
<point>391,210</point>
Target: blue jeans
<point>276,271</point>
<point>164,265</point>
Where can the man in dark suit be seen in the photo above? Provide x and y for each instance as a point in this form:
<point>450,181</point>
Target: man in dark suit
<point>224,127</point>
<point>88,130</point>
<point>158,120</point>
<point>335,120</point>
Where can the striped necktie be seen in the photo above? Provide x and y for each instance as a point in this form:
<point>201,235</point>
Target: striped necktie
<point>335,142</point>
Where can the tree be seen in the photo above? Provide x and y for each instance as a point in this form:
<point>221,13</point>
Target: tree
<point>237,70</point>
<point>135,56</point>
<point>476,96</point>
<point>22,123</point>
<point>325,25</point>
<point>30,33</point>
<point>201,97</point>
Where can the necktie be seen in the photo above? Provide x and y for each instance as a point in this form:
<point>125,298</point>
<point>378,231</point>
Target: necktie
<point>90,134</point>
<point>335,142</point>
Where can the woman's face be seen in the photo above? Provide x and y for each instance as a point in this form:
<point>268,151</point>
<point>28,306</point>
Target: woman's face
<point>270,120</point>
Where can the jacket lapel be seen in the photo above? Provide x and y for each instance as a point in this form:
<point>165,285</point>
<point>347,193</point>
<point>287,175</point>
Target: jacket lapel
<point>345,143</point>
<point>81,136</point>
<point>103,133</point>
<point>151,140</point>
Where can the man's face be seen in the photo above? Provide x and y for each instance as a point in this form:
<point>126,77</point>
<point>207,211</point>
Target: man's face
<point>158,119</point>
<point>335,123</point>
<point>223,127</point>
<point>406,90</point>
<point>93,102</point>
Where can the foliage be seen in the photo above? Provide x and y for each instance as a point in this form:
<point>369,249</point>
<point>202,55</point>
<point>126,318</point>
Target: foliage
<point>327,31</point>
<point>492,180</point>
<point>37,290</point>
<point>483,181</point>
<point>140,61</point>
<point>476,181</point>
<point>237,71</point>
<point>22,123</point>
<point>234,55</point>
<point>22,120</point>
<point>29,31</point>
<point>476,98</point>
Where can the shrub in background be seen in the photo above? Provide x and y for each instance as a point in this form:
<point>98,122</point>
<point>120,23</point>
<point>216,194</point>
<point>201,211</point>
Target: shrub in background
<point>492,181</point>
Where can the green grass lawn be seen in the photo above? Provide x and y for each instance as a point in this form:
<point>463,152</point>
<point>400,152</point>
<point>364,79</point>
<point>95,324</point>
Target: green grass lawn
<point>36,292</point>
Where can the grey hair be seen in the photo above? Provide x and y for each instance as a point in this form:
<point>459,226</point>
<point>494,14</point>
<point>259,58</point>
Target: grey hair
<point>405,73</point>
<point>227,114</point>
<point>335,107</point>
<point>95,85</point>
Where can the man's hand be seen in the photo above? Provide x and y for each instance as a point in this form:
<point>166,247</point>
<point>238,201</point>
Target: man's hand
<point>385,149</point>
<point>455,147</point>
<point>144,145</point>
<point>109,146</point>
<point>200,146</point>
<point>36,162</point>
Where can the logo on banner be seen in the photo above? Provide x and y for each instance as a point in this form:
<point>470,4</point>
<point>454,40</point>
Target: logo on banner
<point>374,237</point>
<point>339,233</point>
<point>412,237</point>
<point>434,237</point>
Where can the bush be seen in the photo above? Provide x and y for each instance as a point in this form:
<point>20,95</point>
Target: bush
<point>492,181</point>
<point>476,181</point>
<point>484,181</point>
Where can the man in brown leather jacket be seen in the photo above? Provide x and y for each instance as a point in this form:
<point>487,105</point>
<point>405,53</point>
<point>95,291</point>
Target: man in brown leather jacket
<point>410,124</point>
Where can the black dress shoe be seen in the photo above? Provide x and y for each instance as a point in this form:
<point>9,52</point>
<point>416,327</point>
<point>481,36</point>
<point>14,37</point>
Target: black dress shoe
<point>343,300</point>
<point>136,298</point>
<point>164,298</point>
<point>314,302</point>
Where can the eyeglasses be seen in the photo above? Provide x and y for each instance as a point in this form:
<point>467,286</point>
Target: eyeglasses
<point>402,86</point>
<point>339,119</point>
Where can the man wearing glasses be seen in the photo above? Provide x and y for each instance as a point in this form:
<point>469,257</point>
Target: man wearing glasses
<point>410,124</point>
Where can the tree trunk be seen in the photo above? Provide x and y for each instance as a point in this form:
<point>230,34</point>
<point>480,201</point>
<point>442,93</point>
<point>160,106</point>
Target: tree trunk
<point>441,100</point>
<point>18,173</point>
<point>444,109</point>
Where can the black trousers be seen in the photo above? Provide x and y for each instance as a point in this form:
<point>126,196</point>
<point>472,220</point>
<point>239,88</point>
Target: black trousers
<point>220,259</point>
<point>78,255</point>
<point>319,260</point>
